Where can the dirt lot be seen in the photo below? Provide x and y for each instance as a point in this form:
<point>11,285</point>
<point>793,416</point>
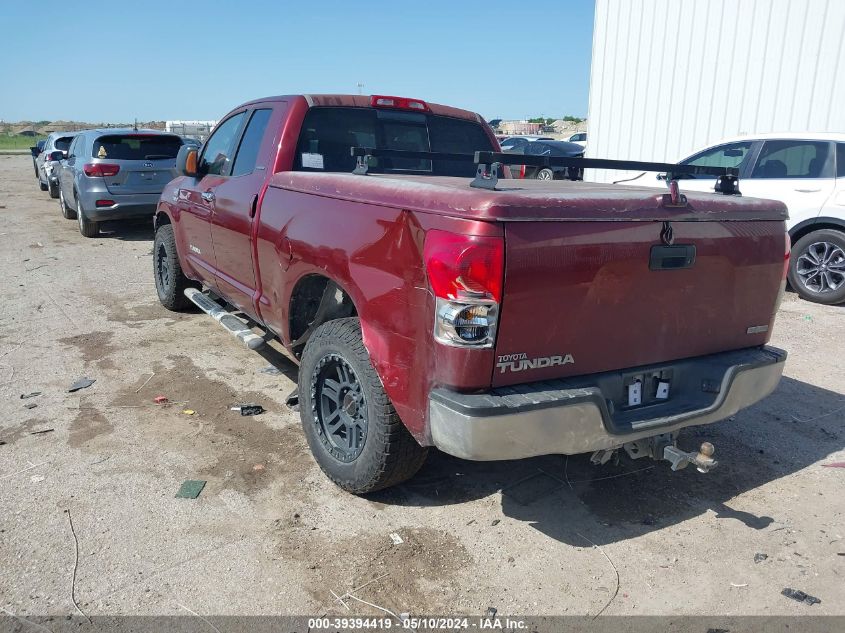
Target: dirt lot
<point>270,535</point>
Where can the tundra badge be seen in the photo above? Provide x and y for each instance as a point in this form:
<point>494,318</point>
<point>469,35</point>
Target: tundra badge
<point>519,362</point>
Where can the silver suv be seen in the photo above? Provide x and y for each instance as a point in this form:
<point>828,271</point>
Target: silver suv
<point>47,163</point>
<point>115,174</point>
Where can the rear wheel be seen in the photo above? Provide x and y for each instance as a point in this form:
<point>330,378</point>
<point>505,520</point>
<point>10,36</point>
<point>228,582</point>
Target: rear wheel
<point>67,212</point>
<point>817,267</point>
<point>87,227</point>
<point>170,281</point>
<point>353,430</point>
<point>54,189</point>
<point>545,174</point>
<point>41,184</point>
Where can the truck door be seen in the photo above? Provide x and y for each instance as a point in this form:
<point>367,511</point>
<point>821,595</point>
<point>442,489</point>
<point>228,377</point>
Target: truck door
<point>196,200</point>
<point>236,199</point>
<point>797,172</point>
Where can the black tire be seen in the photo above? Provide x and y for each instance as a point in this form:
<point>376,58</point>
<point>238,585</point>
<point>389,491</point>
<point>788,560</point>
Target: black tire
<point>53,189</point>
<point>545,174</point>
<point>817,267</point>
<point>88,228</point>
<point>41,185</point>
<point>170,281</point>
<point>387,453</point>
<point>67,212</point>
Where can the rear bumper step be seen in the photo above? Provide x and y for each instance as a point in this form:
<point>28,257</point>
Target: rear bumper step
<point>574,416</point>
<point>228,320</point>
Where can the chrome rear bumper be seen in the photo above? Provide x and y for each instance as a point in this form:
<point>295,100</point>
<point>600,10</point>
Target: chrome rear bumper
<point>574,416</point>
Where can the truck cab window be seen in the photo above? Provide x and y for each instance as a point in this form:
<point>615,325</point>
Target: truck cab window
<point>329,132</point>
<point>251,143</point>
<point>221,146</point>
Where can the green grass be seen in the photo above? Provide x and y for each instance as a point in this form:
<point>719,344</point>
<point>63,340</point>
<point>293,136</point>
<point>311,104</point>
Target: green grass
<point>18,142</point>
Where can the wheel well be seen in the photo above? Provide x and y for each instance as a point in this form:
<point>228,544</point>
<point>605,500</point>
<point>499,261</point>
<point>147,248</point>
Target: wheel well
<point>801,231</point>
<point>160,219</point>
<point>316,300</point>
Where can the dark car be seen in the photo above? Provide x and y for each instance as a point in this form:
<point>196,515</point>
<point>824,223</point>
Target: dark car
<point>36,150</point>
<point>550,148</point>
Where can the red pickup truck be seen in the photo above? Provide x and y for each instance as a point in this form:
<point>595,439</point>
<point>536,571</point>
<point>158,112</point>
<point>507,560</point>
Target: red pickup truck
<point>492,322</point>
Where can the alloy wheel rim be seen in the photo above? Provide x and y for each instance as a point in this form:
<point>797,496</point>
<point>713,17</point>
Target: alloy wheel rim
<point>340,411</point>
<point>544,175</point>
<point>162,268</point>
<point>821,267</point>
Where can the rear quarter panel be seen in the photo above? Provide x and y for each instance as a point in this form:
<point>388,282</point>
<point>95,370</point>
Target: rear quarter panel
<point>374,253</point>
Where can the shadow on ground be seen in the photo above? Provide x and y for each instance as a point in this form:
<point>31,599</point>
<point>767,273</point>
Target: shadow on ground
<point>128,231</point>
<point>568,497</point>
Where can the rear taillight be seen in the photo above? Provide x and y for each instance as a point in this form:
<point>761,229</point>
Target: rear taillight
<point>402,103</point>
<point>466,275</point>
<point>522,171</point>
<point>100,169</point>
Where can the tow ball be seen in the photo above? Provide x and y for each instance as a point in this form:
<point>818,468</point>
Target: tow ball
<point>663,447</point>
<point>703,460</point>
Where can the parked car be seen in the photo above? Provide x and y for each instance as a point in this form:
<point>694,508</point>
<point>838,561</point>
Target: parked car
<point>550,148</point>
<point>47,164</point>
<point>806,172</point>
<point>512,143</point>
<point>430,309</point>
<point>580,138</point>
<point>115,174</point>
<point>35,150</point>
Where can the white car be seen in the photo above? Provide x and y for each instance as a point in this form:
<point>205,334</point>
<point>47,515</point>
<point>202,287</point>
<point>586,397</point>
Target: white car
<point>579,138</point>
<point>806,172</point>
<point>46,170</point>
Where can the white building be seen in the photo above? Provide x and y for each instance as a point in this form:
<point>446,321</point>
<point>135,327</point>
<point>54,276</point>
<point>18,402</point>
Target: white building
<point>199,130</point>
<point>671,76</point>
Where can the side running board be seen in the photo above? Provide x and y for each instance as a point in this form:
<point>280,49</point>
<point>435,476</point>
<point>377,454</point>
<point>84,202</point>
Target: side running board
<point>228,320</point>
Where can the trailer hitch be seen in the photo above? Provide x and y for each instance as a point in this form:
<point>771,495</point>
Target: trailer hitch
<point>663,448</point>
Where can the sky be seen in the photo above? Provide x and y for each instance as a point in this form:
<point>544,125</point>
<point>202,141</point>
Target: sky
<point>116,61</point>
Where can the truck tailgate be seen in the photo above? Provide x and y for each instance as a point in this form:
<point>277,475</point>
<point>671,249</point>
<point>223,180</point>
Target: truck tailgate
<point>590,296</point>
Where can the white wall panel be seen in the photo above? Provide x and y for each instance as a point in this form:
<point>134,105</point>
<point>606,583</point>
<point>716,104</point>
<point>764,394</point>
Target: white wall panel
<point>671,76</point>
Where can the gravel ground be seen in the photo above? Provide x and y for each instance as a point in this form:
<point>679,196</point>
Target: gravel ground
<point>270,535</point>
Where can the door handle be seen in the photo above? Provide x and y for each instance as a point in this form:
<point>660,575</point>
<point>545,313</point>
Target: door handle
<point>253,206</point>
<point>807,190</point>
<point>208,196</point>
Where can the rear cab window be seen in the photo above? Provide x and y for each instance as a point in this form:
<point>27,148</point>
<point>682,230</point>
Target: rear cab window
<point>136,147</point>
<point>328,133</point>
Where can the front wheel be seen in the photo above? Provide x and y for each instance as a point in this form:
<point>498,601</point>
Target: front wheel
<point>67,212</point>
<point>353,430</point>
<point>170,281</point>
<point>545,174</point>
<point>54,189</point>
<point>817,267</point>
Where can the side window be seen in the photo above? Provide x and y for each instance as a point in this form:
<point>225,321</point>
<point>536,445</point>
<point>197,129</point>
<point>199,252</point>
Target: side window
<point>840,160</point>
<point>793,159</point>
<point>251,142</point>
<point>730,155</point>
<point>220,147</point>
<point>74,147</point>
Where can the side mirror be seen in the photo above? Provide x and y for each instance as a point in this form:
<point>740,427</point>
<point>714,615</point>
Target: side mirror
<point>661,176</point>
<point>57,155</point>
<point>186,161</point>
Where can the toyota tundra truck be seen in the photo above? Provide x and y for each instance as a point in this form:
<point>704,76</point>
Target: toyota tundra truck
<point>431,301</point>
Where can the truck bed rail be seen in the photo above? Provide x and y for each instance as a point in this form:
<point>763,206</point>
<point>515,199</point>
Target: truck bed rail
<point>490,163</point>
